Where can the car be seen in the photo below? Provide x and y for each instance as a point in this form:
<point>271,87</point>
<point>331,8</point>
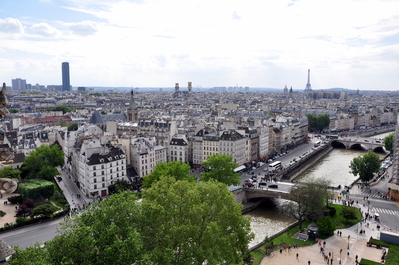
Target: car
<point>254,177</point>
<point>265,169</point>
<point>378,142</point>
<point>366,140</point>
<point>262,183</point>
<point>273,186</point>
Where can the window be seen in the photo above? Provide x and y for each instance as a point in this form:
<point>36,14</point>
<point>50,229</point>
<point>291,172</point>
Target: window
<point>103,185</point>
<point>110,171</point>
<point>94,174</point>
<point>95,180</point>
<point>103,179</point>
<point>102,166</point>
<point>94,167</point>
<point>102,172</point>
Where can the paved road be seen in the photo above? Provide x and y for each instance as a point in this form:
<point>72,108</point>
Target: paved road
<point>28,235</point>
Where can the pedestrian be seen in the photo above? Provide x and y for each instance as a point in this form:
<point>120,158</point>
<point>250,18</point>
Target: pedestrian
<point>324,244</point>
<point>309,262</point>
<point>281,251</point>
<point>297,255</point>
<point>356,258</point>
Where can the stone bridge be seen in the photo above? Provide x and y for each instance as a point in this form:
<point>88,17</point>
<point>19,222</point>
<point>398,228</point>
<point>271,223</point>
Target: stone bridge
<point>245,194</point>
<point>358,143</point>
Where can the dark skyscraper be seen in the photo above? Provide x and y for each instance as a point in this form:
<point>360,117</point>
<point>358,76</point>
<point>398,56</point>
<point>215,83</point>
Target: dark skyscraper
<point>66,84</point>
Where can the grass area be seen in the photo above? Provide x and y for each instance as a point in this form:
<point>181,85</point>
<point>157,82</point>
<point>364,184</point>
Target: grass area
<point>392,257</point>
<point>341,222</point>
<point>279,241</point>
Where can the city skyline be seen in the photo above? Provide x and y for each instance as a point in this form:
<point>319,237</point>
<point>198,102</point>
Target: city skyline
<point>347,44</point>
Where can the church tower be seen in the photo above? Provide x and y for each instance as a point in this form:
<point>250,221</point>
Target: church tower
<point>132,112</point>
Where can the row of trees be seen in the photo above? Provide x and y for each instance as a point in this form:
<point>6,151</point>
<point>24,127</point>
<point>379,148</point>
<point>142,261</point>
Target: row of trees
<point>219,168</point>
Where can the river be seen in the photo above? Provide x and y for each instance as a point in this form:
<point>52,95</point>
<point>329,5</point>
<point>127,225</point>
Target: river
<point>266,221</point>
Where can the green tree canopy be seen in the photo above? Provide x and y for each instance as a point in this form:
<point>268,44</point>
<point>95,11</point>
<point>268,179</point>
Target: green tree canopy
<point>63,108</point>
<point>365,166</point>
<point>73,127</point>
<point>175,169</point>
<point>32,255</point>
<point>43,210</point>
<point>308,200</point>
<point>318,122</point>
<point>326,226</point>
<point>9,172</point>
<point>42,163</point>
<point>106,233</point>
<point>388,141</point>
<point>194,223</point>
<point>221,168</point>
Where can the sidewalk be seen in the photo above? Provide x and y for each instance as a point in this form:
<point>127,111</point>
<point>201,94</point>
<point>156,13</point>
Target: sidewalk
<point>71,191</point>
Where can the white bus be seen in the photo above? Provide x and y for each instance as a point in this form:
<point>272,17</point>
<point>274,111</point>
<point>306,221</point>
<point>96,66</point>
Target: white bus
<point>275,166</point>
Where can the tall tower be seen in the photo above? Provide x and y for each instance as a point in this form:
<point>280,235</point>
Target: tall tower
<point>132,112</point>
<point>308,87</point>
<point>66,84</point>
<point>190,87</point>
<point>177,89</point>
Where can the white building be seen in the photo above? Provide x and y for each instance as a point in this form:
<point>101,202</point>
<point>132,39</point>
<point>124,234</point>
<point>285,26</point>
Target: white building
<point>179,148</point>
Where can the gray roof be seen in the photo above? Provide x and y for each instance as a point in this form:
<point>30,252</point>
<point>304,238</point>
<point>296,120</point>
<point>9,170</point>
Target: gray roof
<point>96,118</point>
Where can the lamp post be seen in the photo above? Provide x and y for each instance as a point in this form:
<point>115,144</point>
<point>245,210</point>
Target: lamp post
<point>348,240</point>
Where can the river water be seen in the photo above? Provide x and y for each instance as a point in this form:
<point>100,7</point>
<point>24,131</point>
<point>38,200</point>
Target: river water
<point>266,220</point>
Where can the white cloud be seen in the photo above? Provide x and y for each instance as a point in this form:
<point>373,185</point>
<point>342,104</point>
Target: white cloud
<point>11,25</point>
<point>45,30</point>
<point>84,28</point>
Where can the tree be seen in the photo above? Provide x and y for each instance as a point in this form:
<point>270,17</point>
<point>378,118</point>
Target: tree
<point>318,122</point>
<point>106,233</point>
<point>193,223</point>
<point>221,168</point>
<point>388,141</point>
<point>174,169</point>
<point>42,163</point>
<point>63,108</point>
<point>73,127</point>
<point>365,166</point>
<point>326,226</point>
<point>43,210</point>
<point>348,213</point>
<point>9,172</point>
<point>307,200</point>
<point>31,255</point>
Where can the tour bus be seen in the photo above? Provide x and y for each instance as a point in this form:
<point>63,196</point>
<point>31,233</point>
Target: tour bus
<point>275,166</point>
<point>317,143</point>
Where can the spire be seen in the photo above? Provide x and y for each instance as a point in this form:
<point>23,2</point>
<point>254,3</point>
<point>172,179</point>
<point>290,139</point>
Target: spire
<point>308,87</point>
<point>132,104</point>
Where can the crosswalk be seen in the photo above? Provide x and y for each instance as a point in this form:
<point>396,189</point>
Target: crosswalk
<point>373,195</point>
<point>381,210</point>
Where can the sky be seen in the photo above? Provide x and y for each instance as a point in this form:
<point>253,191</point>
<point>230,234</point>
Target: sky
<point>156,43</point>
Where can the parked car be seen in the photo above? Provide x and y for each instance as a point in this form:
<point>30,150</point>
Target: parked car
<point>273,186</point>
<point>262,183</point>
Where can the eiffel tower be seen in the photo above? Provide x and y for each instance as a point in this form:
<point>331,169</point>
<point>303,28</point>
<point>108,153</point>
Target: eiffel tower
<point>308,87</point>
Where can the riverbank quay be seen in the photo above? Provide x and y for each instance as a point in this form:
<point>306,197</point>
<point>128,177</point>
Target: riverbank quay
<point>312,158</point>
